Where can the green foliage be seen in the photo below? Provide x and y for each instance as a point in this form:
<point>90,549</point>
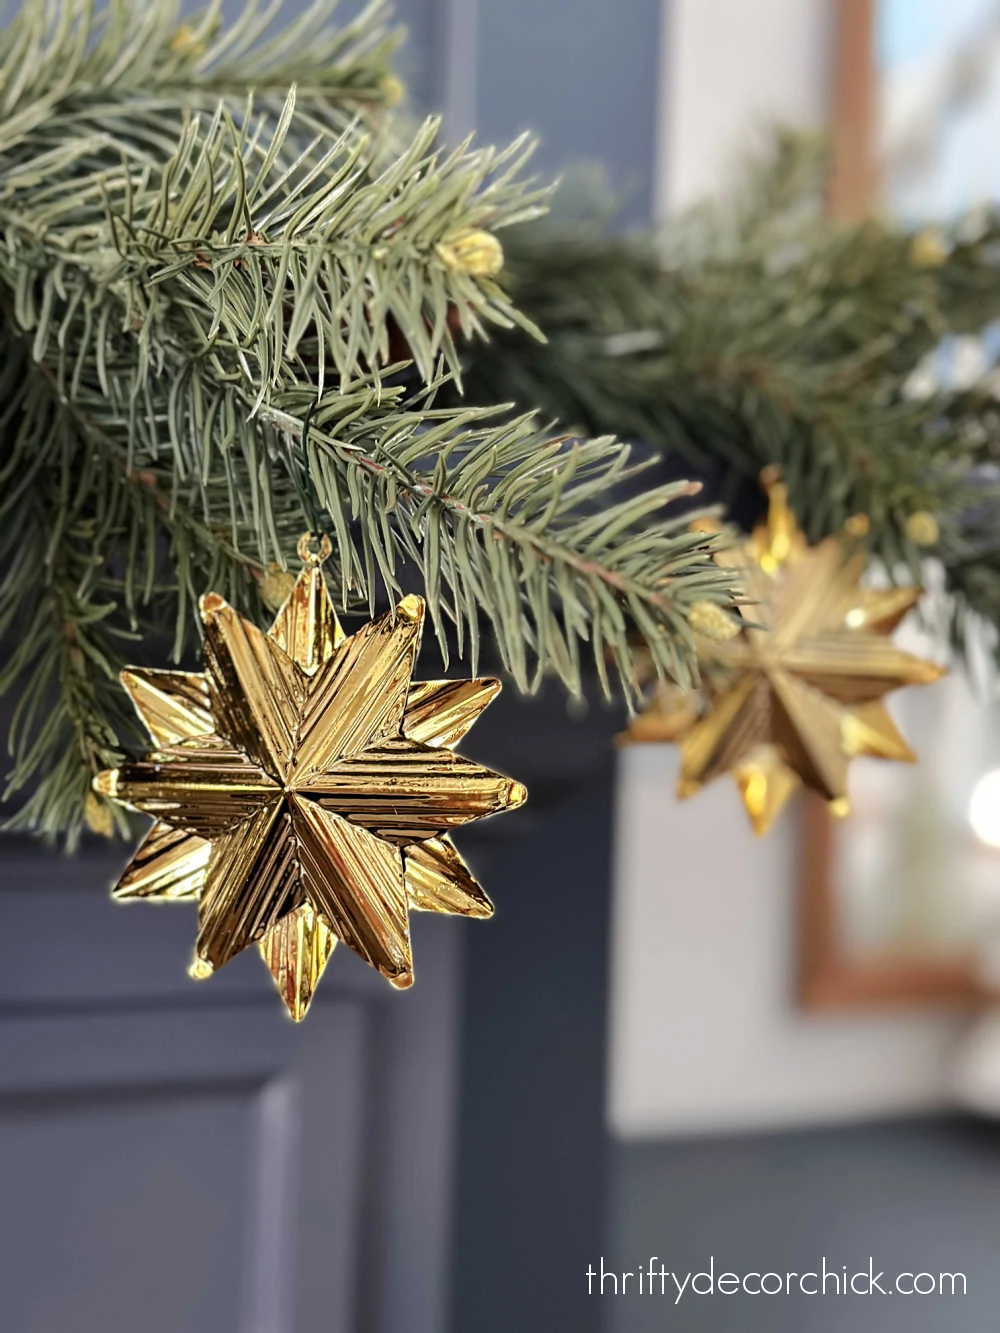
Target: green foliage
<point>229,301</point>
<point>763,332</point>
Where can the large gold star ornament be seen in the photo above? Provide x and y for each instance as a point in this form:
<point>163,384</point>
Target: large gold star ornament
<point>304,788</point>
<point>792,695</point>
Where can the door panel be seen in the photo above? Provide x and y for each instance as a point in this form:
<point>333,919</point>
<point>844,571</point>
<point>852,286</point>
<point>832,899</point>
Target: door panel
<point>179,1156</point>
<point>126,1203</point>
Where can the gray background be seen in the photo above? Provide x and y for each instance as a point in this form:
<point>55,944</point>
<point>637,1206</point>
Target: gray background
<point>915,1195</point>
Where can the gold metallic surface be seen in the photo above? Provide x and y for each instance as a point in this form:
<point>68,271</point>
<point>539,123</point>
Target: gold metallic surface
<point>173,705</point>
<point>438,880</point>
<point>870,730</point>
<point>303,788</point>
<point>168,866</point>
<point>310,557</point>
<point>98,816</point>
<point>204,785</point>
<point>306,627</point>
<point>765,783</point>
<point>296,951</point>
<point>440,712</point>
<point>798,692</point>
<point>669,714</point>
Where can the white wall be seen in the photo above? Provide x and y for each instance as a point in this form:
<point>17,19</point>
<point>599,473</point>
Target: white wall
<point>705,1034</point>
<point>703,1027</point>
<point>730,67</point>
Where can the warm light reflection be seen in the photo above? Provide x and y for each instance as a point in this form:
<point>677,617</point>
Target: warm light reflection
<point>984,808</point>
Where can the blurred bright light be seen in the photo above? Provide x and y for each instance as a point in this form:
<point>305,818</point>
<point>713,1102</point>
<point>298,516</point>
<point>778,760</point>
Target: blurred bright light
<point>984,808</point>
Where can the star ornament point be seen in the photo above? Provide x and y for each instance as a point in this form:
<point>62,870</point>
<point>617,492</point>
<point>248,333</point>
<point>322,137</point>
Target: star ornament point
<point>304,789</point>
<point>799,692</point>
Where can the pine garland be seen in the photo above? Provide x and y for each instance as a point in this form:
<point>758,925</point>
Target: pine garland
<point>233,296</point>
<point>761,332</point>
<point>240,297</point>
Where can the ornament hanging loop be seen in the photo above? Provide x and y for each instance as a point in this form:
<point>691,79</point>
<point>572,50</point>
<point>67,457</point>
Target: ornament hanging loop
<point>310,557</point>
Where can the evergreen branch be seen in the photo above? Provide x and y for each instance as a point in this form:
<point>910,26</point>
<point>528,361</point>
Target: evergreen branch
<point>220,328</point>
<point>498,521</point>
<point>764,333</point>
<point>236,249</point>
<point>501,520</point>
<point>99,557</point>
<point>66,59</point>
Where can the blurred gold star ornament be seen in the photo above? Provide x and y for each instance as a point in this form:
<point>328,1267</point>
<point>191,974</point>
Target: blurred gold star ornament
<point>797,693</point>
<point>304,788</point>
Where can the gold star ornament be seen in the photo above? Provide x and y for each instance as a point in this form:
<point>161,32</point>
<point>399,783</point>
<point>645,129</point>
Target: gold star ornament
<point>304,788</point>
<point>794,693</point>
